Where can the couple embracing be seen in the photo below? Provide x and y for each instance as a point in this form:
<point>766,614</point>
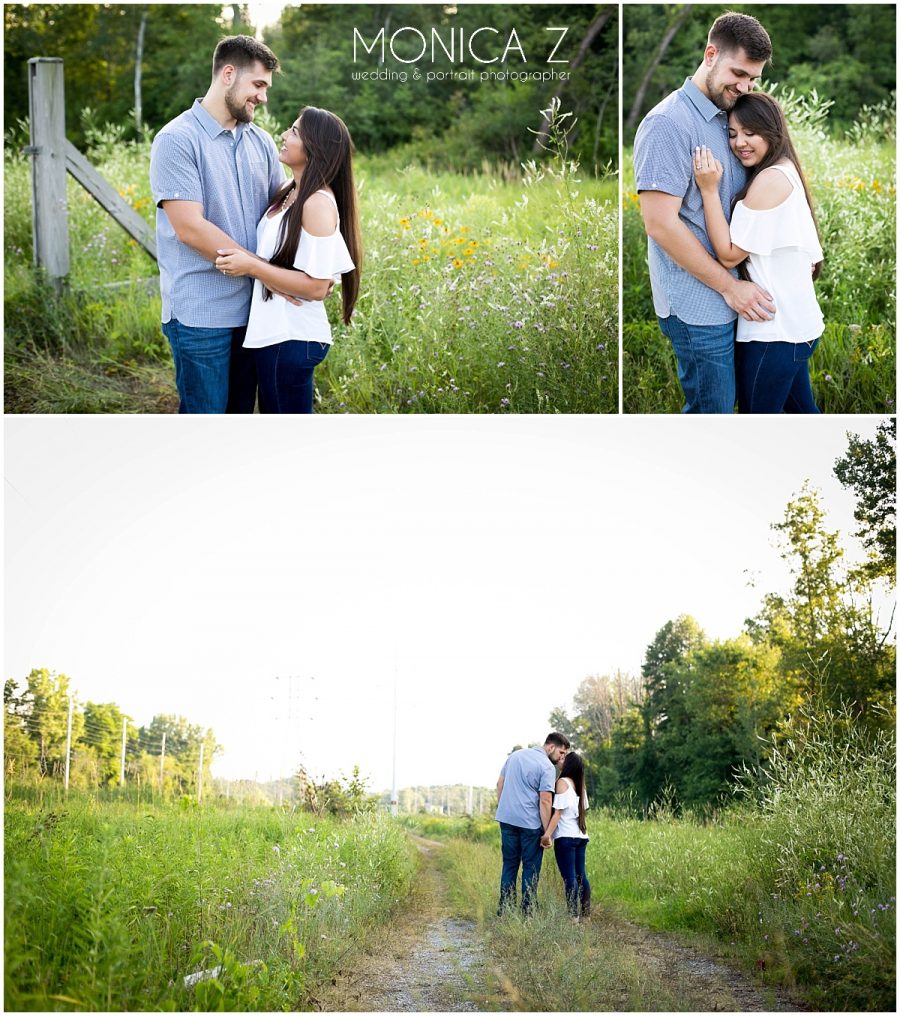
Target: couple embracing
<point>537,809</point>
<point>246,255</point>
<point>731,233</point>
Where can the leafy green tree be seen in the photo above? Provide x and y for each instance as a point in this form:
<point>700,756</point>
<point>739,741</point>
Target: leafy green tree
<point>869,469</point>
<point>19,750</point>
<point>826,628</point>
<point>732,694</point>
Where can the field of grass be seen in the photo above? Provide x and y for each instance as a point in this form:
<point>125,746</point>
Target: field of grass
<point>797,887</point>
<point>492,293</point>
<point>853,186</point>
<point>112,906</point>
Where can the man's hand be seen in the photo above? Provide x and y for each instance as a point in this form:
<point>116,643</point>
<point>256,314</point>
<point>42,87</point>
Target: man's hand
<point>749,300</point>
<point>546,841</point>
<point>295,300</point>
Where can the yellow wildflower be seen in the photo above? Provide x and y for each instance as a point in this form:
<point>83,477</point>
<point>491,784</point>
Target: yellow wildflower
<point>457,263</point>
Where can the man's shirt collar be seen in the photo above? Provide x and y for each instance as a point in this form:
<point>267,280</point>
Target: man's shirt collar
<point>704,106</point>
<point>210,124</point>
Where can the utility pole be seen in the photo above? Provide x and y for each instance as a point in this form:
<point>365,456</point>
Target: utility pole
<point>469,801</point>
<point>394,803</point>
<point>69,740</point>
<point>162,763</point>
<point>122,765</point>
<point>200,776</point>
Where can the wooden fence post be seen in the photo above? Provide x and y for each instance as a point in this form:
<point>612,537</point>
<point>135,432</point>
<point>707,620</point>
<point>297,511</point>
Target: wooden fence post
<point>50,215</point>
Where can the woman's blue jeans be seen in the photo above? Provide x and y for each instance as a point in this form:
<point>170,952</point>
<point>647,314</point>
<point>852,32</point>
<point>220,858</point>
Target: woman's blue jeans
<point>570,854</point>
<point>773,377</point>
<point>520,846</point>
<point>285,375</point>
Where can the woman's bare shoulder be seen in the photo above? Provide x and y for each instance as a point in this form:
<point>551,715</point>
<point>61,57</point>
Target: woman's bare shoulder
<point>319,215</point>
<point>769,189</point>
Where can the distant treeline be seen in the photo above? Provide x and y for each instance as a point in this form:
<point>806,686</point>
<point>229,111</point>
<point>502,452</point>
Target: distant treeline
<point>163,757</point>
<point>141,65</point>
<point>846,52</point>
<point>705,710</point>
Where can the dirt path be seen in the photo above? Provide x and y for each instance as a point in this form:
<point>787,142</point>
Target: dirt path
<point>431,961</point>
<point>428,961</point>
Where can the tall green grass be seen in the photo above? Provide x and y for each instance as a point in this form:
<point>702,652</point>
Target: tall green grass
<point>111,906</point>
<point>493,292</point>
<point>853,186</point>
<point>796,882</point>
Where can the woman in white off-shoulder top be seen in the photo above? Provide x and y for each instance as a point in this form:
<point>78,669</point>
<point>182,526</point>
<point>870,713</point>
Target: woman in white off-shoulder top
<point>307,241</point>
<point>567,830</point>
<point>774,241</point>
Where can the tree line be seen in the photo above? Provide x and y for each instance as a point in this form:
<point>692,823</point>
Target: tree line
<point>845,52</point>
<point>139,65</point>
<point>163,756</point>
<point>706,711</point>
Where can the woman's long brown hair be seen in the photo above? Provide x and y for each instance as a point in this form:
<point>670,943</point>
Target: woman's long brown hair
<point>573,768</point>
<point>329,151</point>
<point>761,114</point>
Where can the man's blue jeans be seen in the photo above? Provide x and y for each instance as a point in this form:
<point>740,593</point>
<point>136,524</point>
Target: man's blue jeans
<point>520,846</point>
<point>213,372</point>
<point>705,355</point>
<point>773,377</point>
<point>570,854</point>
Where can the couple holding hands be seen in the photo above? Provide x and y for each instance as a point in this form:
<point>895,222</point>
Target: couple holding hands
<point>537,809</point>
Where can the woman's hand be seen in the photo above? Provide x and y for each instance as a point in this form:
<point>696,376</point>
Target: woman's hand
<point>707,170</point>
<point>546,841</point>
<point>236,262</point>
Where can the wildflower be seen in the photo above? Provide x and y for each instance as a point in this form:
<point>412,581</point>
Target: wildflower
<point>502,363</point>
<point>828,377</point>
<point>457,263</point>
<point>504,402</point>
<point>518,324</point>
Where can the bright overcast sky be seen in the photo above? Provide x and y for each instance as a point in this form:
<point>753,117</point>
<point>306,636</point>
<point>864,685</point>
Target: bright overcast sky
<point>192,566</point>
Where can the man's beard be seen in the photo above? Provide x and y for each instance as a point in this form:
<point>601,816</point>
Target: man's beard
<point>237,110</point>
<point>721,98</point>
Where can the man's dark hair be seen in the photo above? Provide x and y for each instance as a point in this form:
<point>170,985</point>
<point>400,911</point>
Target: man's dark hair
<point>731,32</point>
<point>560,740</point>
<point>243,52</point>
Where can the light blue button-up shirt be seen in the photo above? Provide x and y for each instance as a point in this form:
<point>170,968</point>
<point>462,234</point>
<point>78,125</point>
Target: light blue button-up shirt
<point>233,174</point>
<point>663,150</point>
<point>525,773</point>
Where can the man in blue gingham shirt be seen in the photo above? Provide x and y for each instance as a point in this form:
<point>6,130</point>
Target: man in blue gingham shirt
<point>695,298</point>
<point>213,173</point>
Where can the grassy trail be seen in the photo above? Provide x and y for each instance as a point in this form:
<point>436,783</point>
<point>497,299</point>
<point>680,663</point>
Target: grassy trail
<point>604,964</point>
<point>448,952</point>
<point>429,960</point>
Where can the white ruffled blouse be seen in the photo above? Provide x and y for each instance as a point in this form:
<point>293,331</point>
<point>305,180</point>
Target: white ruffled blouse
<point>276,320</point>
<point>567,804</point>
<point>783,247</point>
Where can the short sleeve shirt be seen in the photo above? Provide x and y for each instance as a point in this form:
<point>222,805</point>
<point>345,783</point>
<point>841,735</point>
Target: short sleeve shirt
<point>233,173</point>
<point>663,149</point>
<point>526,774</point>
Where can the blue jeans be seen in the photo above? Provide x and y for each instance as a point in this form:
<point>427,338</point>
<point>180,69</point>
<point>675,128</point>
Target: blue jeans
<point>285,373</point>
<point>213,372</point>
<point>705,355</point>
<point>773,377</point>
<point>520,846</point>
<point>570,854</point>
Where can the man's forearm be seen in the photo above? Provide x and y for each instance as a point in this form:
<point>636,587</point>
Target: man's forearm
<point>546,813</point>
<point>686,250</point>
<point>206,238</point>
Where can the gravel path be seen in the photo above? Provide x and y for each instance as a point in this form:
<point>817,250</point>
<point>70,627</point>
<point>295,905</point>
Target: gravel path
<point>430,961</point>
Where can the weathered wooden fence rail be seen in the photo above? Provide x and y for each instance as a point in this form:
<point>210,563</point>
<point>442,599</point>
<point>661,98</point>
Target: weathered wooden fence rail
<point>53,155</point>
